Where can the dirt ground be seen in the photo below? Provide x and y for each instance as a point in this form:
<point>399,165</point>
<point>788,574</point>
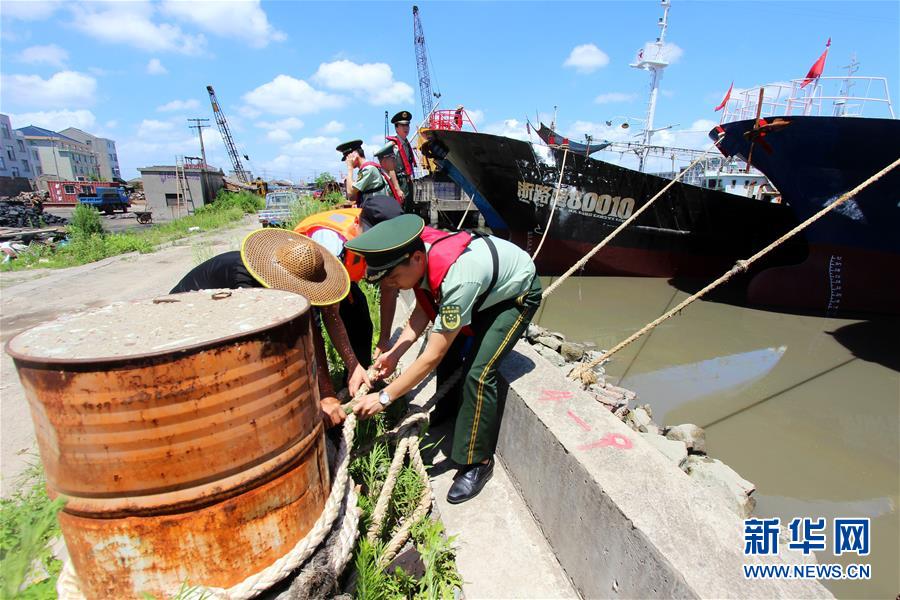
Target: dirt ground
<point>28,298</point>
<point>114,223</point>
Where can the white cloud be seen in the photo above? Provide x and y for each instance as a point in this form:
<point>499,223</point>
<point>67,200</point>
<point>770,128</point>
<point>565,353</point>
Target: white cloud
<point>476,115</point>
<point>55,119</point>
<point>152,127</point>
<point>332,127</point>
<point>244,20</point>
<point>611,97</point>
<point>132,24</point>
<point>307,155</point>
<point>32,10</point>
<point>65,89</point>
<point>279,136</point>
<point>175,105</point>
<point>511,128</point>
<point>288,124</point>
<point>373,82</point>
<point>50,54</point>
<point>155,67</point>
<point>586,58</point>
<point>157,142</point>
<point>286,95</point>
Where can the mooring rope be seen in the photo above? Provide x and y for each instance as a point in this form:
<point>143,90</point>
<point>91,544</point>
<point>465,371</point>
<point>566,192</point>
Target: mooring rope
<point>583,261</point>
<point>739,267</point>
<point>555,201</point>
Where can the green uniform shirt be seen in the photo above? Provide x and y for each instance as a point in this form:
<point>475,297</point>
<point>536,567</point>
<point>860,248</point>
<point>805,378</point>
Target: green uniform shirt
<point>470,275</point>
<point>369,179</point>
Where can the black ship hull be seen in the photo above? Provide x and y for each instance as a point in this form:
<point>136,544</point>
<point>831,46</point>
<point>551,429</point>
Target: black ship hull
<point>689,232</point>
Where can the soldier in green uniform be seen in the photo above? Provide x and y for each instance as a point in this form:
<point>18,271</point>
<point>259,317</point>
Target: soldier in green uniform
<point>406,160</point>
<point>370,180</point>
<point>481,292</point>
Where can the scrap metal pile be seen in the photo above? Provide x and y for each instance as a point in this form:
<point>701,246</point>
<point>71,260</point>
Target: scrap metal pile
<point>27,210</point>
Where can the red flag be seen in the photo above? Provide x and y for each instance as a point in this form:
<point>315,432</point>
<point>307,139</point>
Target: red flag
<point>815,71</point>
<point>726,99</point>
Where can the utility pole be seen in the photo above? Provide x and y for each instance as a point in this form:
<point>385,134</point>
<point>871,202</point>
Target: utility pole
<point>199,126</point>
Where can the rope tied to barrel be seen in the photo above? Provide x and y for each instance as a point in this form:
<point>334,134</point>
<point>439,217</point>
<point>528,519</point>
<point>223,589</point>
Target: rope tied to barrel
<point>740,266</point>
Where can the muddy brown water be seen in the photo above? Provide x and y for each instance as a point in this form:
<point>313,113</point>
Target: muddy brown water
<point>807,408</point>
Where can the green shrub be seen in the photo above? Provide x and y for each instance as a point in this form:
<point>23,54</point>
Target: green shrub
<point>248,202</point>
<point>27,527</point>
<point>86,221</point>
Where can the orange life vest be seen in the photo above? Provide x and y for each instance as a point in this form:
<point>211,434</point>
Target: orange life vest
<point>345,223</point>
<point>401,147</point>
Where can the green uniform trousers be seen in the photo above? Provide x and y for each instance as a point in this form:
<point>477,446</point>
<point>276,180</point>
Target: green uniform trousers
<point>497,329</point>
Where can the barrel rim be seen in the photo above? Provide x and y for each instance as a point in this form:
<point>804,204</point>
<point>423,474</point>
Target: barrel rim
<point>173,353</point>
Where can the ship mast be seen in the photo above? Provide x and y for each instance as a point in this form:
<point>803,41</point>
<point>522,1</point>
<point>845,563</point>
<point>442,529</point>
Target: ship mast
<point>840,106</point>
<point>650,58</point>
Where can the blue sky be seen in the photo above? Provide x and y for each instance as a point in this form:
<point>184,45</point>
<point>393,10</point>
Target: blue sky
<point>295,79</point>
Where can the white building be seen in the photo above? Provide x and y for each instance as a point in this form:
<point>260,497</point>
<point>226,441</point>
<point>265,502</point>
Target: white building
<point>105,149</point>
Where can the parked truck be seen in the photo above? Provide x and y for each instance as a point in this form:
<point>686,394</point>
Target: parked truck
<point>278,208</point>
<point>106,199</point>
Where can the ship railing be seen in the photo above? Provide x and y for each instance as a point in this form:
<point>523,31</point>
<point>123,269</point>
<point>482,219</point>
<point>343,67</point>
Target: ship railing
<point>848,96</point>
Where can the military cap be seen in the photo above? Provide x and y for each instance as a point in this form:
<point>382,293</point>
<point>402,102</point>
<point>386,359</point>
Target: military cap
<point>402,118</point>
<point>348,147</point>
<point>387,244</point>
<point>385,151</point>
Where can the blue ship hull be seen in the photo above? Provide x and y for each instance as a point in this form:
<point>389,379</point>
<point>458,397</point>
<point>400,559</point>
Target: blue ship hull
<point>854,260</point>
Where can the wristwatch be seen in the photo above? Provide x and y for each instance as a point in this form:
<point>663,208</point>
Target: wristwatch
<point>384,398</point>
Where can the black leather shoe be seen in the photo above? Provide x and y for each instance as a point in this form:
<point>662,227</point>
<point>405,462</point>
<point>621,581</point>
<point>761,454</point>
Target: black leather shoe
<point>468,482</point>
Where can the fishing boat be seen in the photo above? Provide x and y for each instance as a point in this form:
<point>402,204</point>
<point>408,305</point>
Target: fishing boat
<point>814,145</point>
<point>690,231</point>
<point>553,195</point>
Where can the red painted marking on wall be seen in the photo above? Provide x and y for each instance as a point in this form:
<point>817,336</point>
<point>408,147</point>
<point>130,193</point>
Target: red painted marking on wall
<point>554,395</point>
<point>615,440</point>
<point>579,421</point>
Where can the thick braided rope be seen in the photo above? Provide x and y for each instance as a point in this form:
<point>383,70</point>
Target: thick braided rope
<point>624,224</point>
<point>740,267</point>
<point>67,584</point>
<point>402,534</point>
<point>320,574</point>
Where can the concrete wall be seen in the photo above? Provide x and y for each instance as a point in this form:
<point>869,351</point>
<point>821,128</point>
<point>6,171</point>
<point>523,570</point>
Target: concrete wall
<point>622,519</point>
<point>161,183</point>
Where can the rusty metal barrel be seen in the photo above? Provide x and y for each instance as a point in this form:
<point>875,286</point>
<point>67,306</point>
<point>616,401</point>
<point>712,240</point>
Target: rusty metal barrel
<point>185,432</point>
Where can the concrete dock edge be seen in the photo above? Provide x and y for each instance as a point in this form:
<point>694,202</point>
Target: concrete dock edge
<point>622,519</point>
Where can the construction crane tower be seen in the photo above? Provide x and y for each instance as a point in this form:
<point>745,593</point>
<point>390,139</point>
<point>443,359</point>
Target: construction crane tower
<point>236,164</point>
<point>422,65</point>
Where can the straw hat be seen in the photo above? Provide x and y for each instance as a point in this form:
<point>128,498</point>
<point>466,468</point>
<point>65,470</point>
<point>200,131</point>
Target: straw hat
<point>286,260</point>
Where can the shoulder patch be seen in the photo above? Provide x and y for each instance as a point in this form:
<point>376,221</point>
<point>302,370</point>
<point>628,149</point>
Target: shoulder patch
<point>450,316</point>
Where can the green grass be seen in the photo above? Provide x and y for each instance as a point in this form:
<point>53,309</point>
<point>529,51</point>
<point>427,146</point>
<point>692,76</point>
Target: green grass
<point>28,525</point>
<point>85,244</point>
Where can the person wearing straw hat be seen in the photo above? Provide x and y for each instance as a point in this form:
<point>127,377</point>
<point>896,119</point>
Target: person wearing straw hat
<point>472,286</point>
<point>331,230</point>
<point>289,261</point>
<point>370,179</point>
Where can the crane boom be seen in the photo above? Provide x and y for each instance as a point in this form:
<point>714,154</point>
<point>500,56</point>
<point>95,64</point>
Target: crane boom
<point>236,164</point>
<point>422,64</point>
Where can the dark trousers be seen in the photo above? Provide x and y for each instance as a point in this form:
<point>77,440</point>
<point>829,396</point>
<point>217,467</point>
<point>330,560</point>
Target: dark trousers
<point>354,311</point>
<point>474,399</point>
